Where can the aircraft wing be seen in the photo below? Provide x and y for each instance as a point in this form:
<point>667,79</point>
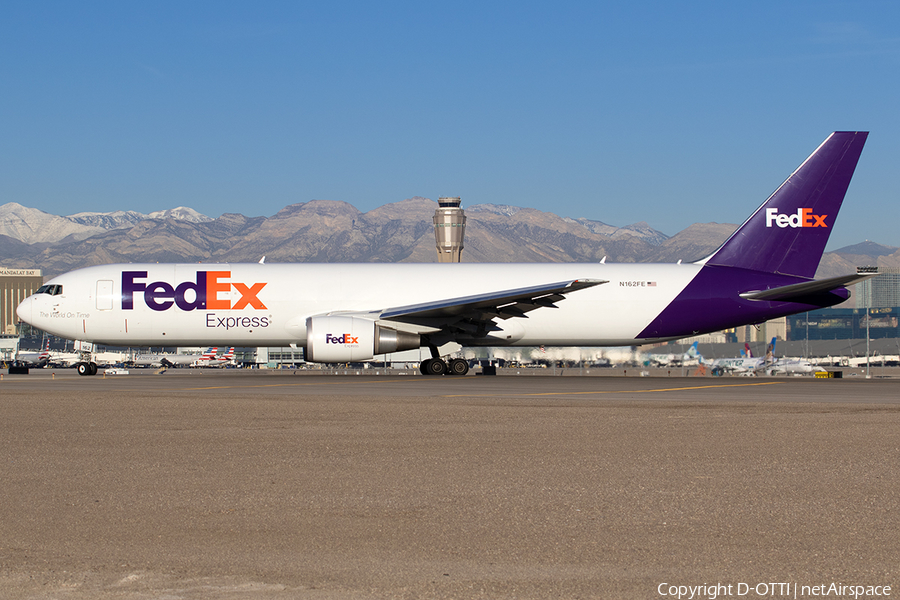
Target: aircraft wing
<point>473,316</point>
<point>503,304</point>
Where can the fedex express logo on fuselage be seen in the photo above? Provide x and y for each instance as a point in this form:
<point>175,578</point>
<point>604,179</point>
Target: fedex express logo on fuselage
<point>804,217</point>
<point>202,294</point>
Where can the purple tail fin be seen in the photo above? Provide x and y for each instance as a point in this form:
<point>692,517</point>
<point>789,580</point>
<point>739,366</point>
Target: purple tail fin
<point>788,233</point>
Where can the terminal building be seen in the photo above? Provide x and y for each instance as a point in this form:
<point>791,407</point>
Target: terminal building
<point>15,286</point>
<point>844,324</point>
<point>877,315</point>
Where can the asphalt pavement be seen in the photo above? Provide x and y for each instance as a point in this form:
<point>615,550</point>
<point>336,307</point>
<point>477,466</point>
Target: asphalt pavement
<point>234,484</point>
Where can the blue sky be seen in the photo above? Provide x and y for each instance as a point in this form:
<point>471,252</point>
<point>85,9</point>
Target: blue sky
<point>670,113</point>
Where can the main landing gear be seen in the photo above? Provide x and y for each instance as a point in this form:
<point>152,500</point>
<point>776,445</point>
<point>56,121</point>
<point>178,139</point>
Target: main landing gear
<point>86,368</point>
<point>436,366</point>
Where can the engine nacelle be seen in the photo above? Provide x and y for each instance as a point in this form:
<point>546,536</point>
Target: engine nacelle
<point>351,339</point>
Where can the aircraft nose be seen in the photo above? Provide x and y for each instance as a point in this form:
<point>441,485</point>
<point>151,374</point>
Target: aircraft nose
<point>23,311</point>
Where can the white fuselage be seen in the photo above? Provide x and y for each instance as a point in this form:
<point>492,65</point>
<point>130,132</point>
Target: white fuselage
<point>738,365</point>
<point>793,365</point>
<point>155,360</point>
<point>268,304</point>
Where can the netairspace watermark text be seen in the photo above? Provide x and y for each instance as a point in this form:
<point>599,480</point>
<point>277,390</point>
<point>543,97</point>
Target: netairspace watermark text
<point>712,591</point>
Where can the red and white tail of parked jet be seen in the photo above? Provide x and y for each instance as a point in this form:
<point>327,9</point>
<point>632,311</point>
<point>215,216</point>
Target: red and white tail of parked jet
<point>35,359</point>
<point>353,312</point>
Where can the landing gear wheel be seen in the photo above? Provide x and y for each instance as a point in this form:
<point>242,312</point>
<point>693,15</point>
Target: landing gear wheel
<point>458,366</point>
<point>85,368</point>
<point>433,366</point>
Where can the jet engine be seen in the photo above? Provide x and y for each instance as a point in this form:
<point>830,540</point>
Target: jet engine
<point>351,339</point>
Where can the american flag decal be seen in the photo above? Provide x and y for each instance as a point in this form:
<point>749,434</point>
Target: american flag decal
<point>651,284</point>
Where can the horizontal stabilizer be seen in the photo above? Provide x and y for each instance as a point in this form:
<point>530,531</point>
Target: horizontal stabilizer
<point>798,291</point>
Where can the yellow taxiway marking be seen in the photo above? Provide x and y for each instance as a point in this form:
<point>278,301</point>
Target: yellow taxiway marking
<point>675,389</point>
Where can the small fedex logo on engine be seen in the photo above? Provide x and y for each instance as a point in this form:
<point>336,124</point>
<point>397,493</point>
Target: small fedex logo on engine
<point>804,217</point>
<point>345,338</point>
<point>201,294</point>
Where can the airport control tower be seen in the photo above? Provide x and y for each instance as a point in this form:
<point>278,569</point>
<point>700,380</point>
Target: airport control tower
<point>449,230</point>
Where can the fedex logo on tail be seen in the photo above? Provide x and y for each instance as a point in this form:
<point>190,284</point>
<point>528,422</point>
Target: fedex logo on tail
<point>804,217</point>
<point>201,294</point>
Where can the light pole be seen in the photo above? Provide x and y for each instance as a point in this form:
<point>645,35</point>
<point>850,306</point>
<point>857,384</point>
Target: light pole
<point>807,335</point>
<point>867,343</point>
<point>868,295</point>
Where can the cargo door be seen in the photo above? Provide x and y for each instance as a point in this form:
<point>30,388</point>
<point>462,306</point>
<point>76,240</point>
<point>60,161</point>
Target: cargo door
<point>104,295</point>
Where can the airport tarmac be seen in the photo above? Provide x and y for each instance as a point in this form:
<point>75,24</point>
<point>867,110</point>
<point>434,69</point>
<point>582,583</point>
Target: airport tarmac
<point>236,484</point>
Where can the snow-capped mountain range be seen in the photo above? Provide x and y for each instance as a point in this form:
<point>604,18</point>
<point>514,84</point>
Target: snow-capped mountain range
<point>32,226</point>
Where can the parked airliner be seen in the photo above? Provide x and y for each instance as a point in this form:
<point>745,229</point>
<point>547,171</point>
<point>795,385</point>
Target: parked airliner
<point>675,360</point>
<point>35,359</point>
<point>172,360</point>
<point>353,312</point>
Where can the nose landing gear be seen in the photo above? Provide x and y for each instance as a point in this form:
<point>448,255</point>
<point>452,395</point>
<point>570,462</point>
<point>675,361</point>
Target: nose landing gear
<point>86,366</point>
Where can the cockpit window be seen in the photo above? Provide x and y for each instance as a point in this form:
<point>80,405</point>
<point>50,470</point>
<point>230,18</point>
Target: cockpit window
<point>53,290</point>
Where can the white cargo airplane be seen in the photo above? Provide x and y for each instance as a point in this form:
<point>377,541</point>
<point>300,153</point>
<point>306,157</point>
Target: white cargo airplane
<point>352,312</point>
